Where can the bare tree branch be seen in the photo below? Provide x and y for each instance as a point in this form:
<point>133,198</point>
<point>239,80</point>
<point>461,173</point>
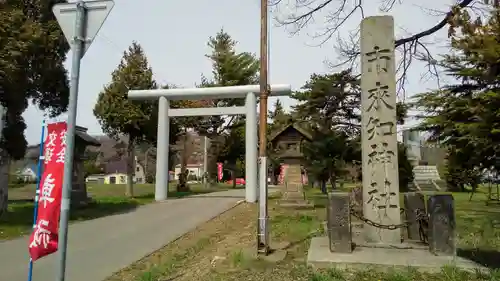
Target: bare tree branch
<point>435,28</point>
<point>411,47</point>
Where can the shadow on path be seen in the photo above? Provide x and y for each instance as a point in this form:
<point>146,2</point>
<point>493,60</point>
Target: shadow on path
<point>487,258</point>
<point>21,211</point>
<point>19,219</point>
<point>181,194</point>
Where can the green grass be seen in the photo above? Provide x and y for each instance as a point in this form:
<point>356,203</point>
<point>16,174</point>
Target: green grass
<point>478,223</point>
<point>478,229</point>
<point>230,237</point>
<point>446,274</point>
<point>478,239</point>
<point>106,200</point>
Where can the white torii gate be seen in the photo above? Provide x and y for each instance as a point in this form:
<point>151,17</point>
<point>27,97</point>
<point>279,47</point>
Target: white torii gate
<point>249,110</point>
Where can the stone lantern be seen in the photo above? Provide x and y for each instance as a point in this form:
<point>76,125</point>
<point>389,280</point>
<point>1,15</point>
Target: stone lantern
<point>78,187</point>
<point>287,146</point>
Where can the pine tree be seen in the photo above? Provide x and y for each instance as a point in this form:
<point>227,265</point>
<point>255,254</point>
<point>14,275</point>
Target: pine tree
<point>229,68</point>
<point>278,117</point>
<point>278,110</point>
<point>331,101</point>
<point>120,116</point>
<point>464,116</point>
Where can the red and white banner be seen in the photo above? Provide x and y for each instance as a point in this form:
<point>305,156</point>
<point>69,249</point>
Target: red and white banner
<point>305,179</point>
<point>281,178</point>
<point>44,239</point>
<point>219,171</point>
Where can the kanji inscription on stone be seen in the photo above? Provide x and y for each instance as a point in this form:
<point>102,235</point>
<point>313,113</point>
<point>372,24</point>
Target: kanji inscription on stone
<point>380,58</point>
<point>379,97</point>
<point>377,128</point>
<point>379,140</point>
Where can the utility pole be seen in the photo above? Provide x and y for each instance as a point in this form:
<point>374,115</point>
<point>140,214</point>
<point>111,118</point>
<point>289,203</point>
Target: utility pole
<point>263,223</point>
<point>205,161</point>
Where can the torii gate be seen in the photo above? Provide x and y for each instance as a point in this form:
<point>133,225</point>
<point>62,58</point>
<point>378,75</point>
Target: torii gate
<point>248,92</point>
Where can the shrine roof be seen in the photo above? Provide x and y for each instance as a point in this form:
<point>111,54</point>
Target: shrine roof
<point>81,132</point>
<point>295,126</point>
<point>32,151</point>
<point>113,167</point>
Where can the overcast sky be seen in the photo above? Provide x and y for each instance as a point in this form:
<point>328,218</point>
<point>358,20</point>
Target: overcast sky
<point>174,35</point>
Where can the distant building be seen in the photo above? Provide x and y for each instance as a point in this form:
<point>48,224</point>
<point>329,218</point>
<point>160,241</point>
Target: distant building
<point>96,179</point>
<point>194,169</point>
<point>116,178</point>
<point>115,172</point>
<point>194,145</point>
<point>28,173</point>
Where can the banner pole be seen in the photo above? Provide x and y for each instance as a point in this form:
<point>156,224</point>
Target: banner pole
<point>37,192</point>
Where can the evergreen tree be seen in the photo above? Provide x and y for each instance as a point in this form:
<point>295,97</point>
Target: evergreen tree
<point>229,68</point>
<point>405,169</point>
<point>331,101</point>
<point>464,116</point>
<point>120,116</point>
<point>278,117</point>
<point>277,112</point>
<point>328,154</point>
<point>330,105</point>
<point>32,53</point>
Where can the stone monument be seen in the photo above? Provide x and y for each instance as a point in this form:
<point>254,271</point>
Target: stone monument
<point>379,139</point>
<point>411,140</point>
<point>379,241</point>
<point>287,146</point>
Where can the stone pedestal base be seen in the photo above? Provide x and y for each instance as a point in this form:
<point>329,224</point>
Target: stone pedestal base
<point>293,191</point>
<point>79,198</point>
<point>294,196</point>
<point>319,255</point>
<point>299,204</point>
<point>279,251</point>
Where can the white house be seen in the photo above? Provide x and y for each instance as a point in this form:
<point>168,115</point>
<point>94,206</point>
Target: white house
<point>194,170</point>
<point>28,173</point>
<point>116,173</point>
<point>96,178</point>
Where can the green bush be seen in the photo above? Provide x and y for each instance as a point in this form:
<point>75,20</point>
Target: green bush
<point>405,169</point>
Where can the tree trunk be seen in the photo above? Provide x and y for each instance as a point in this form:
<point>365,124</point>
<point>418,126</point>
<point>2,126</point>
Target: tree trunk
<point>129,191</point>
<point>323,187</point>
<point>233,177</point>
<point>333,181</point>
<point>182,186</point>
<point>4,182</point>
<point>146,174</point>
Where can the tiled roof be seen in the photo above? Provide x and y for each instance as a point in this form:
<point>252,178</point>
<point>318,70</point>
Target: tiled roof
<point>116,167</point>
